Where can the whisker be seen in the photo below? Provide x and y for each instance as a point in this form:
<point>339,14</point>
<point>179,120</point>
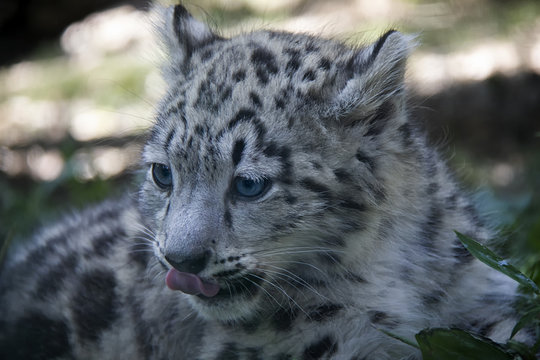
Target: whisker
<point>247,289</point>
<point>144,229</point>
<point>263,289</point>
<point>283,277</point>
<point>298,263</point>
<point>142,241</point>
<point>296,250</point>
<point>191,313</point>
<point>283,291</point>
<point>229,288</point>
<point>297,279</point>
<point>142,251</point>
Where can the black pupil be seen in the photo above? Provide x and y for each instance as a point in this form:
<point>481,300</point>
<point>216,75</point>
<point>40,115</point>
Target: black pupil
<point>250,188</point>
<point>162,175</point>
<point>249,185</point>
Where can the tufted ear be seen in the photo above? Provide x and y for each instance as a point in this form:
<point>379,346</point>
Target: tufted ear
<point>375,76</point>
<point>182,34</point>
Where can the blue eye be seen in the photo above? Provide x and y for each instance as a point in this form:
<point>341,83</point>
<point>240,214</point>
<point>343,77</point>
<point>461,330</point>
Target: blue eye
<point>162,175</point>
<point>249,188</point>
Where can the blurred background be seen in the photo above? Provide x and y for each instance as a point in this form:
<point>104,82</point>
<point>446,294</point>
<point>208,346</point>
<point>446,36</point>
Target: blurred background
<point>78,80</point>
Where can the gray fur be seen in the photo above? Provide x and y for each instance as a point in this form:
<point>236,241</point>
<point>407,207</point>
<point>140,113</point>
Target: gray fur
<point>354,234</point>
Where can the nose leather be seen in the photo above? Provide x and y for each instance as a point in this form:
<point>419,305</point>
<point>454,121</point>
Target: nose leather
<point>192,264</point>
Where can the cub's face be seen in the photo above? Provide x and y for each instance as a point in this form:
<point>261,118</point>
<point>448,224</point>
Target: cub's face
<point>258,168</point>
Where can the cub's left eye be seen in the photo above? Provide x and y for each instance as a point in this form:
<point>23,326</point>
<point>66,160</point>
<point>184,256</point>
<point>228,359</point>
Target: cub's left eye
<point>251,189</point>
<point>162,175</point>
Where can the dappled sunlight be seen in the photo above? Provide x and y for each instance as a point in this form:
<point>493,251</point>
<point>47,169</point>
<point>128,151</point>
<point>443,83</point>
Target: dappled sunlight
<point>104,87</point>
<point>24,120</point>
<point>90,122</point>
<point>12,162</point>
<point>111,31</point>
<point>45,165</point>
<point>41,164</point>
<point>368,18</point>
<point>21,76</point>
<point>503,174</point>
<point>264,5</point>
<point>112,161</point>
<point>104,162</point>
<point>432,72</point>
<point>534,56</point>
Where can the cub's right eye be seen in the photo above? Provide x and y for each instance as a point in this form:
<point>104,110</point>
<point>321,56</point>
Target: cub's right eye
<point>162,176</point>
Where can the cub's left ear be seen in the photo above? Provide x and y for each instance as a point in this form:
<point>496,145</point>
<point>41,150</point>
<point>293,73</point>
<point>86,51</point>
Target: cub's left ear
<point>182,34</point>
<point>376,75</point>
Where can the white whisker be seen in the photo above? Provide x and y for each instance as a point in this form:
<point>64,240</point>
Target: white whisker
<point>263,289</point>
<point>297,279</point>
<point>296,250</point>
<point>303,263</point>
<point>285,278</point>
<point>281,290</point>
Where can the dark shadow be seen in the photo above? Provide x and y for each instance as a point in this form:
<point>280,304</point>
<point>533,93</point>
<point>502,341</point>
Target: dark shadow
<point>495,118</point>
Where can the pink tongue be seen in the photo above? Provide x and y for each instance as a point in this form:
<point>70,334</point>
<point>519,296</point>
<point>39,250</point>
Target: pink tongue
<point>190,284</point>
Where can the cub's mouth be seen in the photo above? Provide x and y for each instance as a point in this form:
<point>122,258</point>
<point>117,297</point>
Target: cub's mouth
<point>245,287</point>
<point>190,284</point>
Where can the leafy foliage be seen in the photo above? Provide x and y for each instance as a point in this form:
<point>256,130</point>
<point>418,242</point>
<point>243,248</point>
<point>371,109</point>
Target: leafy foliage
<point>489,258</point>
<point>456,344</point>
<point>452,344</point>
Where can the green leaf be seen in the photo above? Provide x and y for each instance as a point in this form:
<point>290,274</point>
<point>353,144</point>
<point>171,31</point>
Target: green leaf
<point>489,258</point>
<point>456,344</point>
<point>525,352</point>
<point>528,318</point>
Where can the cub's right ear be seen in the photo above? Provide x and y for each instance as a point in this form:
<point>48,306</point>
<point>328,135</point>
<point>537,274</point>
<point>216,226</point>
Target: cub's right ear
<point>376,75</point>
<point>181,33</point>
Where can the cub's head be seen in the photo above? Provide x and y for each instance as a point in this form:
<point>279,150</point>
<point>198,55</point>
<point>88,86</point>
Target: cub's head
<point>269,161</point>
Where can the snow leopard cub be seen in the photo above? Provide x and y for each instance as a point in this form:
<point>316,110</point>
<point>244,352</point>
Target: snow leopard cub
<point>290,210</point>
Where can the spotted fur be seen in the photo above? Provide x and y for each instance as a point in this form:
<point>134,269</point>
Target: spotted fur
<point>352,231</point>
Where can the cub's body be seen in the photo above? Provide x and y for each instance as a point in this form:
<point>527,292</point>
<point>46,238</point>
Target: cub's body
<point>290,210</point>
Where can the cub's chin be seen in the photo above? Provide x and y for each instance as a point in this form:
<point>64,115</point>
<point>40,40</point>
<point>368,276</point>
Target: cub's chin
<point>228,307</point>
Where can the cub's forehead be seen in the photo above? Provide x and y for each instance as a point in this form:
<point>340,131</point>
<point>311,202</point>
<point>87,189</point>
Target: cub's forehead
<point>263,68</point>
<point>272,53</point>
<point>270,79</point>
